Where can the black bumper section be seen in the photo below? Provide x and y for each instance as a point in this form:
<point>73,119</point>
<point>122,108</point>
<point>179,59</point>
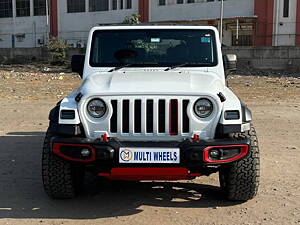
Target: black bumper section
<point>107,153</point>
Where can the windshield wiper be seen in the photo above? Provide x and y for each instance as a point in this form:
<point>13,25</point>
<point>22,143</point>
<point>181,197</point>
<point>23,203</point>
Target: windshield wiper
<point>120,67</point>
<point>187,64</point>
<point>133,64</point>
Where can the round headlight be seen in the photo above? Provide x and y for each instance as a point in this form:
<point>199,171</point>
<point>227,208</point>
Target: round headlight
<point>203,107</point>
<point>96,108</point>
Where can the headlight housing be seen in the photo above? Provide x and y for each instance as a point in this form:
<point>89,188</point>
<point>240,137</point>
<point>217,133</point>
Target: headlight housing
<point>96,108</point>
<point>203,107</point>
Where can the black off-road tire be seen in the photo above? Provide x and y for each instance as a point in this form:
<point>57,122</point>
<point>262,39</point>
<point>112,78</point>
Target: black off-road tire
<point>240,180</point>
<point>61,179</point>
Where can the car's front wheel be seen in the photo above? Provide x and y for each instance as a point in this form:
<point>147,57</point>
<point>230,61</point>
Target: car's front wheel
<point>240,180</point>
<point>61,179</point>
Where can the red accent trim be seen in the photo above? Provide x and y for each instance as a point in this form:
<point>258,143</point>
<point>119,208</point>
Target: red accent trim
<point>173,130</point>
<point>195,174</point>
<point>264,10</point>
<point>149,174</point>
<point>104,138</point>
<point>195,138</point>
<point>53,18</point>
<point>56,150</point>
<point>244,151</point>
<point>298,24</point>
<point>144,10</point>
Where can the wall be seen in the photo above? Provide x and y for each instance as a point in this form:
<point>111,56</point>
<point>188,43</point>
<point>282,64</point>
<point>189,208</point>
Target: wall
<point>285,27</point>
<point>201,10</point>
<point>34,28</point>
<point>75,27</point>
<point>275,58</point>
<point>22,55</point>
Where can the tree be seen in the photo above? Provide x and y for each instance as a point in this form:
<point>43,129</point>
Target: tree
<point>133,19</point>
<point>57,50</point>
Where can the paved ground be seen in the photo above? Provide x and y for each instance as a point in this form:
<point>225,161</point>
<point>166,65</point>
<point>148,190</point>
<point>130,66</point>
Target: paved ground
<point>25,103</point>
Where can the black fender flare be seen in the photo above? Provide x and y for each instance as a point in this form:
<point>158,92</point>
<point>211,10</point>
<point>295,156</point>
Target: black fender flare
<point>54,113</point>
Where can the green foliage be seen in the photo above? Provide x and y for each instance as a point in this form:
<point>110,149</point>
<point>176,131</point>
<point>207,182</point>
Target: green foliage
<point>57,49</point>
<point>133,19</point>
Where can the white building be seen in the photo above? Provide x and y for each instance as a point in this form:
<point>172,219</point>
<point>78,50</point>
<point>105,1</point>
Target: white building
<point>24,23</point>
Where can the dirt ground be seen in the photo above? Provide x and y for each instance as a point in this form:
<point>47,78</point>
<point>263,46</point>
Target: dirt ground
<point>26,99</point>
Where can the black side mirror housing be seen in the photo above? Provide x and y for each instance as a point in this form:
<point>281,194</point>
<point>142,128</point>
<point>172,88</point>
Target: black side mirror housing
<point>230,63</point>
<point>77,64</point>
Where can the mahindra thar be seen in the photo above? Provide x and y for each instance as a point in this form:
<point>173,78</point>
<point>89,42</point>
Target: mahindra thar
<point>153,105</point>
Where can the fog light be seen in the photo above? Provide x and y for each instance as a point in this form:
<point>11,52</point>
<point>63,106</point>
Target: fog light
<point>85,152</point>
<point>215,153</point>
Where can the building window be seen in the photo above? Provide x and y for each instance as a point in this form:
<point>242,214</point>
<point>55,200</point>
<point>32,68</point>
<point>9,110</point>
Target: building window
<point>5,8</point>
<point>98,5</point>
<point>76,6</point>
<point>190,1</point>
<point>210,0</point>
<point>161,2</point>
<point>22,8</point>
<point>179,1</point>
<point>121,4</point>
<point>286,8</point>
<point>39,7</point>
<point>128,4</point>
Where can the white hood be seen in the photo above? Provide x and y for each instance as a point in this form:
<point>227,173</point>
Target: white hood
<point>152,83</point>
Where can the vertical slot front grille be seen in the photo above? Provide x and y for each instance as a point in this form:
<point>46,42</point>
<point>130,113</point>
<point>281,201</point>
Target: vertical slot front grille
<point>173,119</point>
<point>161,116</point>
<point>151,116</point>
<point>137,116</point>
<point>114,118</point>
<point>125,117</point>
<point>185,118</point>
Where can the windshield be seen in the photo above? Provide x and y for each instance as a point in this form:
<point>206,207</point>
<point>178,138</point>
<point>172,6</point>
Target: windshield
<point>153,47</point>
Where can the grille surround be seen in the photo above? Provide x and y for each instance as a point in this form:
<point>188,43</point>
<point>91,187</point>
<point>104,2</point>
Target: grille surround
<point>94,128</point>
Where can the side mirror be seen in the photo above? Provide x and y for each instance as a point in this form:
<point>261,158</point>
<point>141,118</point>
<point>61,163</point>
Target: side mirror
<point>230,63</point>
<point>77,64</point>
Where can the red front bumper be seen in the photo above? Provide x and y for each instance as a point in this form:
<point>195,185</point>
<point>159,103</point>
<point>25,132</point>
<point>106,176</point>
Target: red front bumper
<point>196,158</point>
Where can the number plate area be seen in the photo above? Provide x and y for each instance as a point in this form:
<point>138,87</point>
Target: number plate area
<point>149,155</point>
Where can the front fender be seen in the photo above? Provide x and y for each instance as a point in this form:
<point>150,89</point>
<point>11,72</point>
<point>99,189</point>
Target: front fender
<point>69,103</point>
<point>234,126</point>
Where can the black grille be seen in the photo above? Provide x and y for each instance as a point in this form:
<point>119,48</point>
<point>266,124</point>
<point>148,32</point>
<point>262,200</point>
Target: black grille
<point>161,116</point>
<point>114,118</point>
<point>125,118</point>
<point>185,118</point>
<point>173,117</point>
<point>137,116</point>
<point>149,116</point>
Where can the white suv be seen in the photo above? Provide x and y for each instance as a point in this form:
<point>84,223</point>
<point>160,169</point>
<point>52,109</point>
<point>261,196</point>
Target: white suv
<point>153,105</point>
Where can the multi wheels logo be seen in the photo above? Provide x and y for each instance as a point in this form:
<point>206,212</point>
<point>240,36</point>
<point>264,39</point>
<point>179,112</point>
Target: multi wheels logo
<point>126,155</point>
<point>149,155</point>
